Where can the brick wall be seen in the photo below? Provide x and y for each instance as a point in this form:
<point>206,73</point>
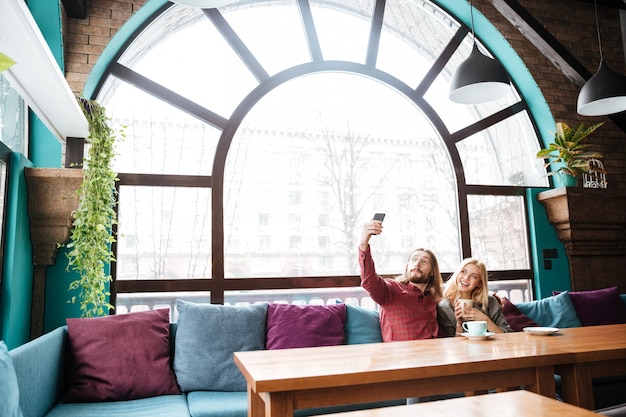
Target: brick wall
<point>571,22</point>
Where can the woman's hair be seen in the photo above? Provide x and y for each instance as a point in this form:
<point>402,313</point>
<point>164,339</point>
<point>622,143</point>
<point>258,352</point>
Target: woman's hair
<point>434,287</point>
<point>480,294</point>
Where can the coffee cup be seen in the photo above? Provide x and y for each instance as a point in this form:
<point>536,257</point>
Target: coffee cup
<point>466,304</point>
<point>475,328</point>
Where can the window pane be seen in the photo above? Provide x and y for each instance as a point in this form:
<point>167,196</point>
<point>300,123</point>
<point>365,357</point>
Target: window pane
<point>164,233</point>
<point>498,231</point>
<point>184,52</point>
<point>143,301</point>
<point>321,167</point>
<point>160,139</point>
<point>503,155</point>
<point>414,35</point>
<point>13,119</point>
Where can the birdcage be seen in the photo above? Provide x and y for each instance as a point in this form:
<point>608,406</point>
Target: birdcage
<point>596,177</point>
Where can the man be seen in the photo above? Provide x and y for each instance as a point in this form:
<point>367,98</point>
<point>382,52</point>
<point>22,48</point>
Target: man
<point>408,304</point>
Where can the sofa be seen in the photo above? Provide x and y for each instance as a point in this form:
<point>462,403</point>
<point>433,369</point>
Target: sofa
<point>141,365</point>
<point>574,309</point>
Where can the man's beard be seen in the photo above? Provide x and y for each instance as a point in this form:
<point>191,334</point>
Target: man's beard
<point>419,279</point>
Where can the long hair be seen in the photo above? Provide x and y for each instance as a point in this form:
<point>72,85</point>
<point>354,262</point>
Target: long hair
<point>480,294</point>
<point>434,286</point>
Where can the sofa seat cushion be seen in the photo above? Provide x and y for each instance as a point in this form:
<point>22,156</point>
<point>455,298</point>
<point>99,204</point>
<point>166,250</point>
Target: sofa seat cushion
<point>161,406</point>
<point>218,403</point>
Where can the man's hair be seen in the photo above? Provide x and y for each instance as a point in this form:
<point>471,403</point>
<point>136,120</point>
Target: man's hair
<point>434,286</point>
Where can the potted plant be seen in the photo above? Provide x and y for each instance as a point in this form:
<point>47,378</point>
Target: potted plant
<point>569,151</point>
<point>89,249</point>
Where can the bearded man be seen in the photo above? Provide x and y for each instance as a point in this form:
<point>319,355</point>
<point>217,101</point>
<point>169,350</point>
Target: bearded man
<point>408,304</point>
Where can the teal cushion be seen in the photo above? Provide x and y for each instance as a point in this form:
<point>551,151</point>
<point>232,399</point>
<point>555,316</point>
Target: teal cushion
<point>161,406</point>
<point>9,393</point>
<point>218,403</point>
<point>556,311</point>
<point>207,335</point>
<point>362,325</point>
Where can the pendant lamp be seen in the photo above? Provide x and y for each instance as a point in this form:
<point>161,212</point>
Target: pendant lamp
<point>203,4</point>
<point>605,92</point>
<point>479,78</point>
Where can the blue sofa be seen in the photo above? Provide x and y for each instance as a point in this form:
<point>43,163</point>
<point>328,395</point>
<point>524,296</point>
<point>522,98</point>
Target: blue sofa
<point>43,373</point>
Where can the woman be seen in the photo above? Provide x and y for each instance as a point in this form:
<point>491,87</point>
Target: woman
<point>469,281</point>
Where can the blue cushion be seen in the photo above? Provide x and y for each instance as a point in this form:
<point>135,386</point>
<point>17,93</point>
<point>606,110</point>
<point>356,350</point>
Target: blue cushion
<point>207,335</point>
<point>218,403</point>
<point>9,392</point>
<point>161,406</point>
<point>556,311</point>
<point>362,325</point>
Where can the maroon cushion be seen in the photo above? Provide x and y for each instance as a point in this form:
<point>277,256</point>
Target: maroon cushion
<point>294,326</point>
<point>596,307</point>
<point>120,357</point>
<point>515,317</point>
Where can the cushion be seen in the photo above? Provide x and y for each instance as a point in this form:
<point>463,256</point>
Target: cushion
<point>161,406</point>
<point>121,357</point>
<point>207,335</point>
<point>596,307</point>
<point>516,319</point>
<point>362,325</point>
<point>296,326</point>
<point>9,392</point>
<point>556,311</point>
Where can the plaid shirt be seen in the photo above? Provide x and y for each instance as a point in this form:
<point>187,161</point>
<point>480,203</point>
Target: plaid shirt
<point>405,312</point>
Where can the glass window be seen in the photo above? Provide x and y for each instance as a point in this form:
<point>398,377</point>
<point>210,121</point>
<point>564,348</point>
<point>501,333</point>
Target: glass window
<point>13,118</point>
<point>264,148</point>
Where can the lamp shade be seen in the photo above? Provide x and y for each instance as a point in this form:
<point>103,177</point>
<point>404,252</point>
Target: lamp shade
<point>603,94</point>
<point>203,4</point>
<point>478,79</point>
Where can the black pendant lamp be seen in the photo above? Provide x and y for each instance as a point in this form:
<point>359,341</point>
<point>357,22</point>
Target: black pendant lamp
<point>605,92</point>
<point>479,78</point>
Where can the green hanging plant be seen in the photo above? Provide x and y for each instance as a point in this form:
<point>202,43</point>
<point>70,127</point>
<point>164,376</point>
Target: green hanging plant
<point>92,234</point>
<point>5,62</point>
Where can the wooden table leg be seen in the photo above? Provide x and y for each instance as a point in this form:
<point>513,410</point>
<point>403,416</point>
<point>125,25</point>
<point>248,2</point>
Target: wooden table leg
<point>544,382</point>
<point>256,406</point>
<point>278,404</point>
<point>577,385</point>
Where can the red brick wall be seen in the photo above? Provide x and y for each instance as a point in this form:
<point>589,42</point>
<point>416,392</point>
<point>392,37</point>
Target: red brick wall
<point>570,22</point>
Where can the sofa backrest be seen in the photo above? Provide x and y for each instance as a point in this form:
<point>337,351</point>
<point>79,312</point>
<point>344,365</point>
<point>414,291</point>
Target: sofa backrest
<point>40,366</point>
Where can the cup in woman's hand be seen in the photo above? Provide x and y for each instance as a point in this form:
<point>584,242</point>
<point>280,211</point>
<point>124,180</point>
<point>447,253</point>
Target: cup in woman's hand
<point>475,328</point>
<point>466,304</point>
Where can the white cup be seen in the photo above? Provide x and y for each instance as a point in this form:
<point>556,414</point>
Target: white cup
<point>475,328</point>
<point>466,304</point>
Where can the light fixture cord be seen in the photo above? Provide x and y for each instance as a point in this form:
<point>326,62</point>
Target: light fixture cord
<point>595,6</point>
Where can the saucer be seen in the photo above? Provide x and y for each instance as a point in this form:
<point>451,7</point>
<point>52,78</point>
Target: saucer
<point>541,331</point>
<point>478,337</point>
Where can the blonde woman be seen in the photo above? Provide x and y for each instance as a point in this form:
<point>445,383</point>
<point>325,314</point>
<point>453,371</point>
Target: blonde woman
<point>469,281</point>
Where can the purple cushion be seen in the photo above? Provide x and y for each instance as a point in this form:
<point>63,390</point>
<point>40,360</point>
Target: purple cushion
<point>294,326</point>
<point>121,357</point>
<point>517,320</point>
<point>596,307</point>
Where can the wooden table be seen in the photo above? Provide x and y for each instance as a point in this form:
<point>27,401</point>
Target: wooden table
<point>280,381</point>
<point>512,403</point>
<point>597,351</point>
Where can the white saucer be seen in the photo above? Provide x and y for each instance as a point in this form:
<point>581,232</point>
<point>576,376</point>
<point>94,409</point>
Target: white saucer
<point>541,331</point>
<point>478,337</point>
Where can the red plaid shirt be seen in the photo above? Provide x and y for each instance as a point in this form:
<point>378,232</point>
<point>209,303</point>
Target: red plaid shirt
<point>405,312</point>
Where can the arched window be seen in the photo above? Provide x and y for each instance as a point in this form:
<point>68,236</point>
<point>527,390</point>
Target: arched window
<point>262,135</point>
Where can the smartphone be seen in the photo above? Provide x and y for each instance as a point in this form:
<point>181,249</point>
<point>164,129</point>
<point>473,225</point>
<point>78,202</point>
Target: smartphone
<point>379,216</point>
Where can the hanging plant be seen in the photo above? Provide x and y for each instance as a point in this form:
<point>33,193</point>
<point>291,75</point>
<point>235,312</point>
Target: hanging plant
<point>92,233</point>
